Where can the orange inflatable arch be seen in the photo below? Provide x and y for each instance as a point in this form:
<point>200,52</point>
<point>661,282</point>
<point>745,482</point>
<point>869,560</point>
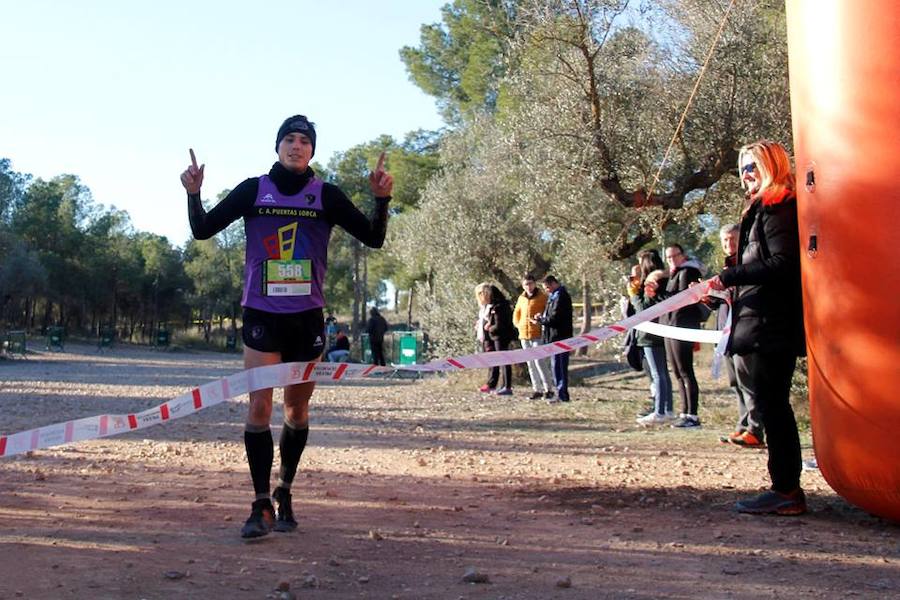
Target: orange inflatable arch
<point>845,78</point>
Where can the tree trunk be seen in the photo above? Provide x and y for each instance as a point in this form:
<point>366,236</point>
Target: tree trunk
<point>207,326</point>
<point>409,306</point>
<point>586,308</point>
<point>354,325</point>
<point>48,310</point>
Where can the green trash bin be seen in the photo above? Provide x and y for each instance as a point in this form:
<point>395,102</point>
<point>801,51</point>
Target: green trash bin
<point>15,343</point>
<point>106,337</point>
<point>55,338</point>
<point>407,346</point>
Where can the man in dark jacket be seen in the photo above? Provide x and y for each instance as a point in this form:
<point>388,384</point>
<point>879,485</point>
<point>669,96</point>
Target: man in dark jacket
<point>749,430</point>
<point>376,327</point>
<point>680,354</point>
<point>557,325</point>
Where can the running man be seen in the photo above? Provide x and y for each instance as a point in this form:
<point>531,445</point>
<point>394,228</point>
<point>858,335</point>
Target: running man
<point>288,216</point>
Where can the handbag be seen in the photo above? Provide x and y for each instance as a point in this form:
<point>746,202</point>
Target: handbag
<point>634,356</point>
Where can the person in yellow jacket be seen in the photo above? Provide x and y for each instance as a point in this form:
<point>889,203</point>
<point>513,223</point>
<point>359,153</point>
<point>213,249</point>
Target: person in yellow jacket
<point>531,303</point>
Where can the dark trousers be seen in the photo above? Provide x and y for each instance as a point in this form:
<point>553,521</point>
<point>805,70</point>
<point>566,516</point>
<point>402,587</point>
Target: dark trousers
<point>377,351</point>
<point>748,416</point>
<point>769,376</point>
<point>561,375</point>
<point>494,376</point>
<point>681,356</point>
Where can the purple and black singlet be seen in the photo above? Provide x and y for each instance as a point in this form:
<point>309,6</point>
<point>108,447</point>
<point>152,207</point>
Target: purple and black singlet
<point>287,221</point>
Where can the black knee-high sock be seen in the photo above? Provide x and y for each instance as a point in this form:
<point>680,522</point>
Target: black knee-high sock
<point>260,453</point>
<point>292,442</point>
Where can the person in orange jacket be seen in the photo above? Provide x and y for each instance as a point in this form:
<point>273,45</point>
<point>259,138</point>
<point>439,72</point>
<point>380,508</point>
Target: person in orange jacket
<point>531,303</point>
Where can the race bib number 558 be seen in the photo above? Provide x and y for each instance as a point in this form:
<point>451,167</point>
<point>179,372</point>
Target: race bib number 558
<point>287,277</point>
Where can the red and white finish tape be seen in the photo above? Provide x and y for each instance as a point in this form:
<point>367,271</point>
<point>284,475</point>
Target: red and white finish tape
<point>259,378</point>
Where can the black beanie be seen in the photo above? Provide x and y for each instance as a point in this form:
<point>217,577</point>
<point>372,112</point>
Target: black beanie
<point>297,124</point>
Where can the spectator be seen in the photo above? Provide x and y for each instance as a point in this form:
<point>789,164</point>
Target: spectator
<point>749,430</point>
<point>557,325</point>
<point>340,352</point>
<point>680,354</point>
<point>643,294</point>
<point>531,303</point>
<point>483,297</point>
<point>331,327</point>
<point>767,319</point>
<point>500,332</point>
<point>376,327</point>
<point>634,280</point>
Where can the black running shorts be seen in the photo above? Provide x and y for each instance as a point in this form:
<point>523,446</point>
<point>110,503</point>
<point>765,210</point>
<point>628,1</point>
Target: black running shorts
<point>299,337</point>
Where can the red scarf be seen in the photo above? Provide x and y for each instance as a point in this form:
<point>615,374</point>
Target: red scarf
<point>777,196</point>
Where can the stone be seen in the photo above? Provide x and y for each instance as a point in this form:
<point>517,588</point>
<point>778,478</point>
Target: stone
<point>472,575</point>
<point>175,575</point>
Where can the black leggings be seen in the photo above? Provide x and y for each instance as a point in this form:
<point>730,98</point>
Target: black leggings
<point>681,356</point>
<point>494,377</point>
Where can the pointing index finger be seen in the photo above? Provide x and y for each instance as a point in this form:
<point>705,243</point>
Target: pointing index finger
<point>193,158</point>
<point>380,165</point>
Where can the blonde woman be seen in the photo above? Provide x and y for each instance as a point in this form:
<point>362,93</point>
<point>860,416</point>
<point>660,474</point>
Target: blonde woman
<point>483,298</point>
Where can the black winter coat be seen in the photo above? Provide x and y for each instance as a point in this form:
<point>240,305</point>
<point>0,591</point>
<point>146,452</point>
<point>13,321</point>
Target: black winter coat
<point>768,305</point>
<point>500,323</point>
<point>557,317</point>
<point>376,327</point>
<point>689,316</point>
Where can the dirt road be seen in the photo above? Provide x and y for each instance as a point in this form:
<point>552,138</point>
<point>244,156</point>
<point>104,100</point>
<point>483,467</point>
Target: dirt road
<point>405,487</point>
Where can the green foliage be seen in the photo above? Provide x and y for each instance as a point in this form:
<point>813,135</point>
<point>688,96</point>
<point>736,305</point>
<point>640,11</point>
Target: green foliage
<point>65,260</point>
<point>559,161</point>
<point>461,61</point>
<point>12,188</point>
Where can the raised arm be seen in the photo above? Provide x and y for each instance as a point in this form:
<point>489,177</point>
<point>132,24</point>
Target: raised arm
<point>205,224</point>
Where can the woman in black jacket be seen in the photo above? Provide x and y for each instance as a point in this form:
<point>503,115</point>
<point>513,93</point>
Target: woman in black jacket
<point>500,331</point>
<point>682,273</point>
<point>767,317</point>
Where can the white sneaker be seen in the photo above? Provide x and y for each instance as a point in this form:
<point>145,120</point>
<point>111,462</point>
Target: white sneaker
<point>652,419</point>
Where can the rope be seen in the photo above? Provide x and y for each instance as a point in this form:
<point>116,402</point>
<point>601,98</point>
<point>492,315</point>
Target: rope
<point>690,100</point>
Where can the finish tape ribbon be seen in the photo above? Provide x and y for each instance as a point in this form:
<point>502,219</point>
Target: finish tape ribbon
<point>279,375</point>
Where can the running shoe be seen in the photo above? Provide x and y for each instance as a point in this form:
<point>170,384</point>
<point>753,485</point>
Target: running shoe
<point>686,422</point>
<point>653,418</point>
<point>774,503</point>
<point>485,389</point>
<point>747,440</point>
<point>284,514</point>
<point>260,521</point>
<point>726,439</point>
<point>504,392</point>
<point>536,396</point>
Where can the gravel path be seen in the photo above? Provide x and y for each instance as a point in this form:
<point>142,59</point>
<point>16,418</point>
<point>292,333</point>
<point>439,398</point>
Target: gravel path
<point>408,490</point>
